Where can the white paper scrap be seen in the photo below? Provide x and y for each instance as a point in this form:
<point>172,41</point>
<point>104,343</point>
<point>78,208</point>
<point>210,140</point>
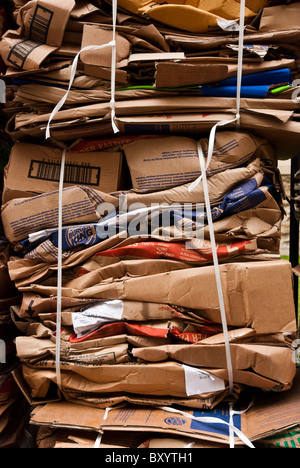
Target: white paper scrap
<point>90,319</point>
<point>198,382</point>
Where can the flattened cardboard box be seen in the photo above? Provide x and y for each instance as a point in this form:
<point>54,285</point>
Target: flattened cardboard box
<point>22,216</point>
<point>253,292</point>
<point>270,415</point>
<point>164,162</point>
<point>34,169</point>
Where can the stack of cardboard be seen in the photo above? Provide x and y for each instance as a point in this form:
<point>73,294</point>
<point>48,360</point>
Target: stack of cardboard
<point>137,313</point>
<point>170,77</point>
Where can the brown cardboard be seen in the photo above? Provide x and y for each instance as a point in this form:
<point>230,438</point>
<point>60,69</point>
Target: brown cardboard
<point>23,216</point>
<point>247,303</point>
<point>41,30</point>
<point>172,75</point>
<point>165,162</point>
<point>150,110</point>
<point>34,169</point>
<point>270,415</point>
<point>218,185</point>
<point>259,366</point>
<point>284,135</point>
<point>296,270</point>
<point>190,16</point>
<point>28,58</point>
<point>280,18</point>
<point>54,14</point>
<point>94,35</point>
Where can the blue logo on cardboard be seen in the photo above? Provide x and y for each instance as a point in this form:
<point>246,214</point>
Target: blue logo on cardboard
<point>175,421</point>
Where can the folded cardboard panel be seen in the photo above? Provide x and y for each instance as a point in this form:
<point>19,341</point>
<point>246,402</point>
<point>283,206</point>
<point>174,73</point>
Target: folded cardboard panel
<point>253,292</point>
<point>166,162</point>
<point>22,216</point>
<point>35,169</point>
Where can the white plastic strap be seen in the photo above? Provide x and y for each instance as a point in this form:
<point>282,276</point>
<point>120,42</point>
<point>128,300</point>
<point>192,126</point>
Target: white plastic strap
<point>217,269</point>
<point>240,61</point>
<point>100,435</point>
<point>232,413</point>
<point>113,67</point>
<point>111,44</point>
<point>237,118</point>
<point>98,440</point>
<point>203,177</point>
<point>59,270</point>
<point>212,420</point>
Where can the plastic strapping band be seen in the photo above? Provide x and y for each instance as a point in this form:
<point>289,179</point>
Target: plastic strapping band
<point>232,413</point>
<point>217,270</point>
<point>59,270</point>
<point>98,440</point>
<point>212,420</point>
<point>100,435</point>
<point>113,68</point>
<point>240,61</point>
<point>111,44</point>
<point>203,177</point>
<point>237,118</point>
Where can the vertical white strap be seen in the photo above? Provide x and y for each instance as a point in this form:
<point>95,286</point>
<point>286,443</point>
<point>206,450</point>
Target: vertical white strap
<point>98,440</point>
<point>100,435</point>
<point>240,61</point>
<point>113,68</point>
<point>74,66</point>
<point>203,177</point>
<point>217,269</point>
<point>59,269</point>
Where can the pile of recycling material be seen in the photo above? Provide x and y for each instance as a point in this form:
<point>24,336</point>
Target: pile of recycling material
<point>142,242</point>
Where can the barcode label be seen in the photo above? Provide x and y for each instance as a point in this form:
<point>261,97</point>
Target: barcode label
<point>74,173</point>
<point>40,24</point>
<point>20,52</point>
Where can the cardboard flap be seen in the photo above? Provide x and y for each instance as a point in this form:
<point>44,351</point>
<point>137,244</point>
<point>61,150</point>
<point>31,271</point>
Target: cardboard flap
<point>96,36</point>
